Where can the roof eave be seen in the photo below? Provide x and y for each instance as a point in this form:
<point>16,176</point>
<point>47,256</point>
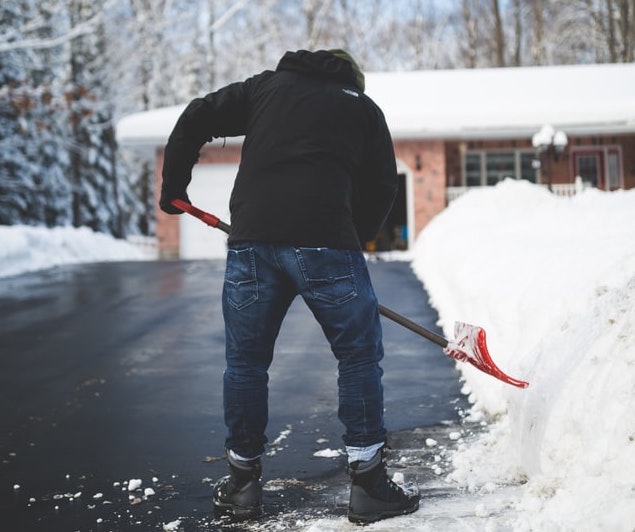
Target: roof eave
<point>494,133</point>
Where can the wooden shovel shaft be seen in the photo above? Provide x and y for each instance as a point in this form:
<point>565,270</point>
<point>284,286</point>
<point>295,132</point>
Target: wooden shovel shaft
<point>414,327</point>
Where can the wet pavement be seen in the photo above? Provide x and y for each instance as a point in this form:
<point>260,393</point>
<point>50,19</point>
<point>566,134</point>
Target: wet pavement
<point>111,374</point>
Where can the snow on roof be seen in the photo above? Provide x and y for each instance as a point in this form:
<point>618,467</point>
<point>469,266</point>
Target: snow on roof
<point>148,128</point>
<point>472,103</point>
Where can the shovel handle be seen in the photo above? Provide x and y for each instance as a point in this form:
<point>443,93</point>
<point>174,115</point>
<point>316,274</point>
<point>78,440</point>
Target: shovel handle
<point>414,327</point>
<point>477,354</point>
<point>205,217</point>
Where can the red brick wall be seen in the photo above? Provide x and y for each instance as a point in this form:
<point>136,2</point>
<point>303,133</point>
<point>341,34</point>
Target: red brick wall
<point>426,161</point>
<point>168,233</point>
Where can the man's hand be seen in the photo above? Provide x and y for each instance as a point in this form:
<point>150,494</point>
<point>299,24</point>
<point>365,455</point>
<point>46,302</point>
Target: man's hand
<point>165,202</point>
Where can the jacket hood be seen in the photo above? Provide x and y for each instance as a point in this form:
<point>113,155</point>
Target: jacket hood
<point>322,64</point>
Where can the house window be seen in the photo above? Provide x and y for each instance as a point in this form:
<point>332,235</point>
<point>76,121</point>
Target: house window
<point>600,167</point>
<point>498,166</point>
<point>589,168</point>
<point>613,169</point>
<point>527,167</point>
<point>482,168</point>
<point>472,169</point>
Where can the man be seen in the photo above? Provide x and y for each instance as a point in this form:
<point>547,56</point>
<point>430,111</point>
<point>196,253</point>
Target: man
<point>317,178</point>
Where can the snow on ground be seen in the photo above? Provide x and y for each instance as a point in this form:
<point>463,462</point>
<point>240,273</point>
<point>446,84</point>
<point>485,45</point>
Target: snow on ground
<point>26,248</point>
<point>552,281</point>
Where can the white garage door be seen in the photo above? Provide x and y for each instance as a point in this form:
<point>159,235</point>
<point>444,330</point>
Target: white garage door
<point>209,190</point>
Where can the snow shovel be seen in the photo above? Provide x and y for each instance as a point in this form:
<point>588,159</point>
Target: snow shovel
<point>469,346</point>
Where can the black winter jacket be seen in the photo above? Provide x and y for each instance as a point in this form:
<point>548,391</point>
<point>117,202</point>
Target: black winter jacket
<point>317,165</point>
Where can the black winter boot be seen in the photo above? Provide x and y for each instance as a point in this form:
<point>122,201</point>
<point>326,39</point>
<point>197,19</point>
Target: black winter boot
<point>239,495</point>
<point>374,496</point>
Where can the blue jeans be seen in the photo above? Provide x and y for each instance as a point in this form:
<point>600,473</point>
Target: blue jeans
<point>261,281</point>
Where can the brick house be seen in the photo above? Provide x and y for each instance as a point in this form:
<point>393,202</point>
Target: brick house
<point>452,130</point>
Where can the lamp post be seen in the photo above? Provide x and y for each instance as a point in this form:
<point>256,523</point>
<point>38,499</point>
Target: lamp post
<point>551,144</point>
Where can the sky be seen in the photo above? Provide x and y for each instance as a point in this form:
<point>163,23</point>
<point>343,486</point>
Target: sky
<point>552,281</point>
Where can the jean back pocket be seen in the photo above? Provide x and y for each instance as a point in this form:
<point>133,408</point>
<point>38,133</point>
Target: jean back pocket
<point>328,273</point>
<point>241,283</point>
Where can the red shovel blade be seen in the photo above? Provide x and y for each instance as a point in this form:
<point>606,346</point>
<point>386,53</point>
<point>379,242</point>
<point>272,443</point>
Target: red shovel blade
<point>470,346</point>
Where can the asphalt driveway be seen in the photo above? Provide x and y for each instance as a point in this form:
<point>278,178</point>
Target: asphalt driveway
<point>112,373</point>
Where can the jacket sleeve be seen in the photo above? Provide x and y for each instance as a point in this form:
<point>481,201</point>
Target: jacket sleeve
<point>377,185</point>
<point>219,114</point>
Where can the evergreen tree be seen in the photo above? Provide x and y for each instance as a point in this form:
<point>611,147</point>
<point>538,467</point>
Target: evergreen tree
<point>33,162</point>
<point>93,147</point>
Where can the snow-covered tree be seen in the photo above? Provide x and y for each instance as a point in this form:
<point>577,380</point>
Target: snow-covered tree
<point>92,145</point>
<point>33,148</point>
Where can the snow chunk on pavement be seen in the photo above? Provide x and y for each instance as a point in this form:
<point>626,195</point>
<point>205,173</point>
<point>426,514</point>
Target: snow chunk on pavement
<point>328,453</point>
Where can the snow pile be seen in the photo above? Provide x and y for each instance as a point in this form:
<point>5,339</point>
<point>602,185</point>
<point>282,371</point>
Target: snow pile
<point>26,248</point>
<point>552,281</point>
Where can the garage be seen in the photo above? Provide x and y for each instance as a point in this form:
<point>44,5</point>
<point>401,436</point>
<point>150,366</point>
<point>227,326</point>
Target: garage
<point>209,190</point>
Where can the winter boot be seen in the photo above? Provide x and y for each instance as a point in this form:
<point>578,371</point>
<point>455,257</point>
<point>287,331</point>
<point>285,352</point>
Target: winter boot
<point>239,494</point>
<point>374,496</point>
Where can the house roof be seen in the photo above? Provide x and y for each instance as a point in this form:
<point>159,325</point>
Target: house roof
<point>473,103</point>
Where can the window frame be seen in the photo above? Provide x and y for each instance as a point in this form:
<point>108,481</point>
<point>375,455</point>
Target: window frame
<point>483,168</point>
<point>605,155</point>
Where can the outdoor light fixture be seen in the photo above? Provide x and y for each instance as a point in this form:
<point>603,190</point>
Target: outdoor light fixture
<point>560,141</point>
<point>543,138</point>
<point>549,143</point>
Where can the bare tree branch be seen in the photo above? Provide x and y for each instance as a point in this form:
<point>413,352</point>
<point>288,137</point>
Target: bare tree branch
<point>82,29</point>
